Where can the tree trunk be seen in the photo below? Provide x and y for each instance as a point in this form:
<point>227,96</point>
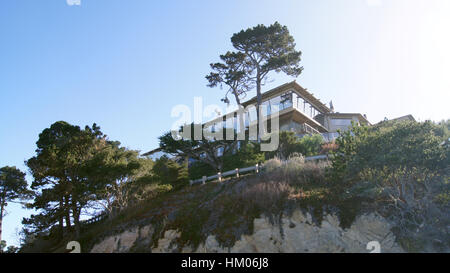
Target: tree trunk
<point>67,214</point>
<point>238,101</point>
<point>61,216</point>
<point>1,219</point>
<point>76,217</point>
<point>258,103</point>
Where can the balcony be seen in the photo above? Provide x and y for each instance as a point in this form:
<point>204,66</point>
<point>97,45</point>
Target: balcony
<point>304,129</point>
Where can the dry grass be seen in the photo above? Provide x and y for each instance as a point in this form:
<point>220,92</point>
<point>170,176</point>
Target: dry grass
<point>283,186</point>
<point>295,171</point>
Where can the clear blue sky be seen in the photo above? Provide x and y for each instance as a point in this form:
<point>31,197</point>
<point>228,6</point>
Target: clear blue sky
<point>125,64</point>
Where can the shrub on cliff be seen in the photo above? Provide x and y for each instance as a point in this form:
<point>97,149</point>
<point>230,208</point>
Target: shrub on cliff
<point>290,144</point>
<point>400,169</point>
<point>167,171</point>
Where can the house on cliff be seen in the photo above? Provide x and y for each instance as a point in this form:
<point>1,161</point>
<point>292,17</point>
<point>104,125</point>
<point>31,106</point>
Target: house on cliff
<point>299,111</point>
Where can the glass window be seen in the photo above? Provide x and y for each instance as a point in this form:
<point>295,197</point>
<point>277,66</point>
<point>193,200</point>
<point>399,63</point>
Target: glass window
<point>286,99</point>
<point>295,100</point>
<point>275,101</point>
<point>300,104</point>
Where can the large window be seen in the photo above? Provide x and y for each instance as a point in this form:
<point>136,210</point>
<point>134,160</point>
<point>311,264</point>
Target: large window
<point>304,106</point>
<point>286,100</point>
<point>282,102</point>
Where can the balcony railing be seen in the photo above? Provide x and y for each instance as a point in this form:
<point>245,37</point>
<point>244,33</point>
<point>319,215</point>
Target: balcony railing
<point>307,129</point>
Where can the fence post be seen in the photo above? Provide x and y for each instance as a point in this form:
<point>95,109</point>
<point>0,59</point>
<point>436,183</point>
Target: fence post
<point>203,179</point>
<point>237,172</point>
<point>219,175</point>
<point>257,168</point>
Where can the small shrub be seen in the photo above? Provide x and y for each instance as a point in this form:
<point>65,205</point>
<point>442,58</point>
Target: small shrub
<point>328,148</point>
<point>294,165</point>
<point>268,197</point>
<point>290,144</point>
<point>170,172</point>
<point>272,165</point>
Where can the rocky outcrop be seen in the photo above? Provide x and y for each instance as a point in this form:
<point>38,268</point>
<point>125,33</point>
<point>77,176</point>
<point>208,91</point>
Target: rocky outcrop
<point>295,234</point>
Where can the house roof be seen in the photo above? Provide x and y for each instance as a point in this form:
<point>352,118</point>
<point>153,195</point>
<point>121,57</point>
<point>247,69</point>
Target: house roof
<point>348,115</point>
<point>402,118</point>
<point>407,117</point>
<point>299,89</point>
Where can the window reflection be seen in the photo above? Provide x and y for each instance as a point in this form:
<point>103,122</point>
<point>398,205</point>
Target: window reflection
<point>281,102</point>
<point>304,106</point>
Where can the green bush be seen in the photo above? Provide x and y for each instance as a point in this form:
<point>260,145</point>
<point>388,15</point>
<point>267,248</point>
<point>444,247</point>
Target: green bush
<point>167,171</point>
<point>401,170</point>
<point>388,147</point>
<point>289,144</point>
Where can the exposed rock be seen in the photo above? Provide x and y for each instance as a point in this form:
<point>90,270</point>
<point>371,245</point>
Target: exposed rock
<point>122,242</point>
<point>108,245</point>
<point>298,234</point>
<point>165,244</point>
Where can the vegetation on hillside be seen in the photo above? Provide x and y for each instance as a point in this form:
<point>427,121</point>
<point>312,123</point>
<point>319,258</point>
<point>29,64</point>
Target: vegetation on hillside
<point>401,170</point>
<point>80,172</point>
<point>398,169</point>
<point>13,188</point>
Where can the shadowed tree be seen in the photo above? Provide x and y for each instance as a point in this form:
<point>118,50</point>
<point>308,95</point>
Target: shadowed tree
<point>13,186</point>
<point>114,170</point>
<point>204,150</point>
<point>61,183</point>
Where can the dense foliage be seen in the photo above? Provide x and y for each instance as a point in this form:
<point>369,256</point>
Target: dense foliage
<point>185,144</point>
<point>78,171</point>
<point>400,169</point>
<point>13,187</point>
<point>289,144</point>
<point>170,172</point>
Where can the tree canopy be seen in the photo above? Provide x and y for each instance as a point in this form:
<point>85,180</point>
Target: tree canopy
<point>71,168</point>
<point>259,50</point>
<point>234,71</point>
<point>204,149</point>
<point>13,186</point>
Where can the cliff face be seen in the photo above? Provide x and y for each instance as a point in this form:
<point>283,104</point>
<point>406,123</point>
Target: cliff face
<point>295,234</point>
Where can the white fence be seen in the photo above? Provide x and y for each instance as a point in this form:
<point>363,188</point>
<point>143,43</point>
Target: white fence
<point>236,172</point>
<point>94,219</point>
